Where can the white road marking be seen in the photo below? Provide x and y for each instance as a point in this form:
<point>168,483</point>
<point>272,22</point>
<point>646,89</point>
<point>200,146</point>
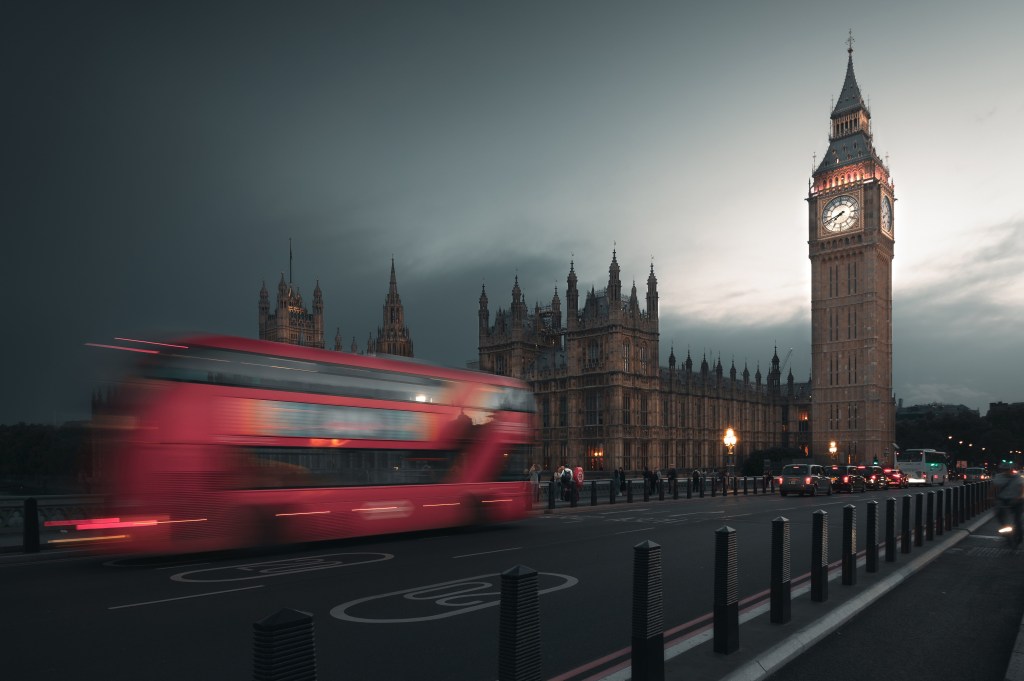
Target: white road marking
<point>639,529</point>
<point>181,598</point>
<point>484,553</point>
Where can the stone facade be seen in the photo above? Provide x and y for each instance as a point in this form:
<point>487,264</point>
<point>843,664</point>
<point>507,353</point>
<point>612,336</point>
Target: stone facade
<point>603,399</point>
<point>851,237</point>
<point>291,322</point>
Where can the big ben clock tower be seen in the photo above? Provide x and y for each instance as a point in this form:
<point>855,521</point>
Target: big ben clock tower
<point>850,243</point>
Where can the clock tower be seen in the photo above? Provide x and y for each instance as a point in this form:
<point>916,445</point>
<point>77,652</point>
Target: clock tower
<point>850,237</point>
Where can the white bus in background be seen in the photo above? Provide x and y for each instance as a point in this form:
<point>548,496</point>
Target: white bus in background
<point>923,466</point>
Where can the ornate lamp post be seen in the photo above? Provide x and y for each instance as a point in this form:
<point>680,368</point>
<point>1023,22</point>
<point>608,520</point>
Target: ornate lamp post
<point>730,442</point>
<point>832,449</point>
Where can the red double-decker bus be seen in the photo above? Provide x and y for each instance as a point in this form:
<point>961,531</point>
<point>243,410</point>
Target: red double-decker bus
<point>230,442</point>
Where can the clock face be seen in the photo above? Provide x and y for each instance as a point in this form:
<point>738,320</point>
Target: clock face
<point>886,214</point>
<point>840,214</point>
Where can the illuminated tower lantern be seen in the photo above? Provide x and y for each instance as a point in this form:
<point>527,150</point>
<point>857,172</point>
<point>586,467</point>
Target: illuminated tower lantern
<point>850,237</point>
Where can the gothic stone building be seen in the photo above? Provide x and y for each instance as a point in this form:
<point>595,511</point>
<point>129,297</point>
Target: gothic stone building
<point>603,399</point>
<point>850,237</point>
<point>292,323</point>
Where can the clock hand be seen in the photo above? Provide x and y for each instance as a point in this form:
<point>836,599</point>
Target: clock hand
<point>835,217</point>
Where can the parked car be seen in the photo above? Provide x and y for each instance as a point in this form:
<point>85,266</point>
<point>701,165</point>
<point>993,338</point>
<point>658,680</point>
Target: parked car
<point>804,478</point>
<point>846,478</point>
<point>874,477</point>
<point>896,478</point>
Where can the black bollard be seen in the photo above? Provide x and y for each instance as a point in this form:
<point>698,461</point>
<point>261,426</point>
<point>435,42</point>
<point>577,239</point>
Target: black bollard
<point>919,519</point>
<point>648,649</point>
<point>727,596</point>
<point>714,485</point>
<point>689,488</point>
<point>629,491</point>
<point>929,525</point>
<point>284,647</point>
<point>647,490</point>
<point>872,537</point>
<point>661,490</point>
<point>735,486</point>
<point>781,610</point>
<point>745,487</point>
<point>819,556</point>
<point>962,506</point>
<point>956,507</point>
<point>30,526</point>
<point>700,486</point>
<point>612,492</point>
<point>890,530</point>
<point>905,525</point>
<point>939,523</point>
<point>949,509</point>
<point>675,489</point>
<point>593,492</point>
<point>551,495</point>
<point>849,545</point>
<point>519,626</point>
<point>772,479</point>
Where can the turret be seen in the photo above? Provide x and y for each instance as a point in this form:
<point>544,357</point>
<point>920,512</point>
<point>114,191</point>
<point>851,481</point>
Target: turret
<point>614,286</point>
<point>572,298</point>
<point>652,294</point>
<point>483,314</point>
<point>337,340</point>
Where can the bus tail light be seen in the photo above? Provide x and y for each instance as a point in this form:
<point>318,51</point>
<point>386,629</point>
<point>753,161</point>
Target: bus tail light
<point>807,481</point>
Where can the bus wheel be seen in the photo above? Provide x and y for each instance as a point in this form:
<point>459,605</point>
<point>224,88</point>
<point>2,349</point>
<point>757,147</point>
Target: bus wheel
<point>474,511</point>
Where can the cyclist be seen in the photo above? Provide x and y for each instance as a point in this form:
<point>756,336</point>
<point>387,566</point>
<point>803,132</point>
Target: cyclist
<point>1009,497</point>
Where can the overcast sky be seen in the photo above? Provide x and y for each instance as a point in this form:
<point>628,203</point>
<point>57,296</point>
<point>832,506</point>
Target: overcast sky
<point>156,159</point>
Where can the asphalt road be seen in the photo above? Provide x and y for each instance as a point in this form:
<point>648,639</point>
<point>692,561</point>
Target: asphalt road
<point>418,606</point>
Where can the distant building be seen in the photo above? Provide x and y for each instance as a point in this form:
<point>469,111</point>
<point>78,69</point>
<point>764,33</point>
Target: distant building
<point>603,399</point>
<point>393,337</point>
<point>918,412</point>
<point>291,322</point>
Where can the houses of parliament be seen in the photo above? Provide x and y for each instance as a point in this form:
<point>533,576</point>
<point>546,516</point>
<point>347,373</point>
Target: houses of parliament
<point>291,322</point>
<point>605,400</point>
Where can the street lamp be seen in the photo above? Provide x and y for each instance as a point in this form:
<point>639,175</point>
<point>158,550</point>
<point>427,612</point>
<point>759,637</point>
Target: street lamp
<point>730,441</point>
<point>832,449</point>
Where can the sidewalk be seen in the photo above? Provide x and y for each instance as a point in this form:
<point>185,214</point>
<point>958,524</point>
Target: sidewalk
<point>931,614</point>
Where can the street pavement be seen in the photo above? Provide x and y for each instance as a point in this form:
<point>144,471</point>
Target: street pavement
<point>950,609</point>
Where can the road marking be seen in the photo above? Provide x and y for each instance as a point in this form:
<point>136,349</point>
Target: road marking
<point>484,553</point>
<point>181,598</point>
<point>276,568</point>
<point>676,515</point>
<point>447,599</point>
<point>639,529</point>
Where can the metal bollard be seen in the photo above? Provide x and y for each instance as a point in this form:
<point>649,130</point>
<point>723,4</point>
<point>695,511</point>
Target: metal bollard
<point>890,530</point>
<point>819,556</point>
<point>939,523</point>
<point>661,490</point>
<point>648,644</point>
<point>905,525</point>
<point>735,486</point>
<point>957,517</point>
<point>551,495</point>
<point>727,596</point>
<point>30,526</point>
<point>929,525</point>
<point>773,484</point>
<point>949,509</point>
<point>781,602</point>
<point>962,511</point>
<point>612,492</point>
<point>919,519</point>
<point>519,626</point>
<point>284,647</point>
<point>689,488</point>
<point>629,491</point>
<point>675,489</point>
<point>849,545</point>
<point>647,491</point>
<point>745,487</point>
<point>714,485</point>
<point>701,485</point>
<point>871,562</point>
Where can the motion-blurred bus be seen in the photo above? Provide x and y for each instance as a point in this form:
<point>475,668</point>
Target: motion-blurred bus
<point>231,442</point>
<point>923,466</point>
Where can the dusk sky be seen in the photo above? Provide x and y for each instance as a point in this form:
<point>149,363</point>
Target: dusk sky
<point>157,158</point>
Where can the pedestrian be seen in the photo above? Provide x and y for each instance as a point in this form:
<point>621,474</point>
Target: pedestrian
<point>534,474</point>
<point>622,481</point>
<point>615,480</point>
<point>567,483</point>
<point>696,479</point>
<point>672,479</point>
